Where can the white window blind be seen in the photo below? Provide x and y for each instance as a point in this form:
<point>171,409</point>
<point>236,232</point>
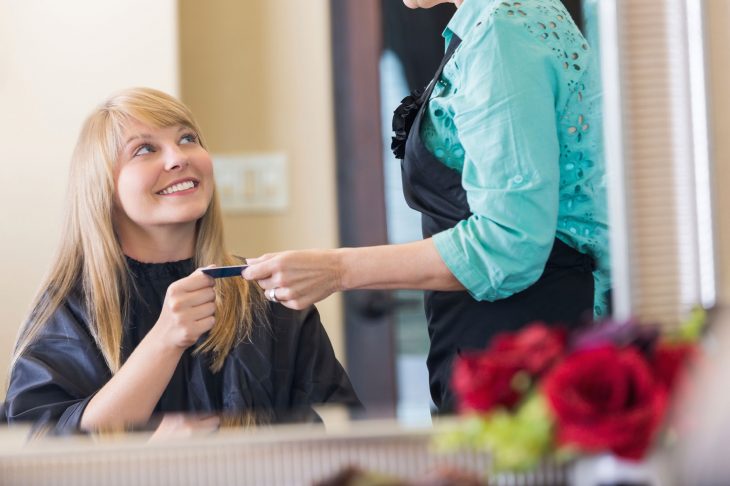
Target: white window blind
<point>657,156</point>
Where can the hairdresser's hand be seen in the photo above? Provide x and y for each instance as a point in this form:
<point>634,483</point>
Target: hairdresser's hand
<point>188,310</point>
<point>300,278</point>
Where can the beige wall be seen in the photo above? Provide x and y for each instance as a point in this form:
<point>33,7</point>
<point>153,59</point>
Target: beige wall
<point>258,77</point>
<point>57,60</point>
<point>717,18</point>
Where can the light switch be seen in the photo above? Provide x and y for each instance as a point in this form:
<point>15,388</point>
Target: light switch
<point>252,182</point>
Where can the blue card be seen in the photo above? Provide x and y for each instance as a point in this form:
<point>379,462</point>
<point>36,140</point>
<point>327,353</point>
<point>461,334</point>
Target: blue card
<point>223,272</point>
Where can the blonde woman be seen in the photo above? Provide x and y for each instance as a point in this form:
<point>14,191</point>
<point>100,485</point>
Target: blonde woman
<point>126,325</point>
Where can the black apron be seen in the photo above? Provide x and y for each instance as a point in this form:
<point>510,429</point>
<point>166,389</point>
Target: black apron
<point>456,321</point>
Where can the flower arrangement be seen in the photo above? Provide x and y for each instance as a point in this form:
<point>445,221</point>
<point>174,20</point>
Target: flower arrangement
<point>539,393</point>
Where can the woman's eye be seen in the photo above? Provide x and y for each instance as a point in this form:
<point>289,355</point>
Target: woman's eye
<point>189,138</point>
<point>144,149</point>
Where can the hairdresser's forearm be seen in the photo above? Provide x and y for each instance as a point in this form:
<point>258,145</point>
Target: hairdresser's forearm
<point>416,265</point>
<point>132,393</point>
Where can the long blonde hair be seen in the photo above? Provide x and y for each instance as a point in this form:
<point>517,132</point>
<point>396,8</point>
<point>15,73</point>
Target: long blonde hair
<point>90,254</point>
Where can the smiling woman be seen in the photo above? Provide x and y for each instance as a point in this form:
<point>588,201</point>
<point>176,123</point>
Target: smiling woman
<point>125,325</point>
<point>164,179</point>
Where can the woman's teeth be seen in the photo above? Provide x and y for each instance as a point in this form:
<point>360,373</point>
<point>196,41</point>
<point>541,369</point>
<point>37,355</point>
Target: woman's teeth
<point>177,188</point>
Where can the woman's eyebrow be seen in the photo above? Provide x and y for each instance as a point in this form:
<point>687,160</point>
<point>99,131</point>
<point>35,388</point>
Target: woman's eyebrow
<point>145,136</point>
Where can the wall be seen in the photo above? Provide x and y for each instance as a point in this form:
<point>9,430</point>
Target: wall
<point>59,59</point>
<point>718,38</point>
<point>257,75</point>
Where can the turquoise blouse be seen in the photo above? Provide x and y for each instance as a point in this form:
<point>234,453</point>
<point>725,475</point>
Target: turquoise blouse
<point>517,111</point>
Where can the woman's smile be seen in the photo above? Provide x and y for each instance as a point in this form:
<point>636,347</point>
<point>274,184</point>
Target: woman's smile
<point>180,188</point>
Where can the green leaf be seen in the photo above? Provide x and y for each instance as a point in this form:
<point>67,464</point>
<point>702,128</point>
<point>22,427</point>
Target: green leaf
<point>517,440</point>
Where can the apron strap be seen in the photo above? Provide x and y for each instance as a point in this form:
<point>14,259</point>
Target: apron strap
<point>453,44</point>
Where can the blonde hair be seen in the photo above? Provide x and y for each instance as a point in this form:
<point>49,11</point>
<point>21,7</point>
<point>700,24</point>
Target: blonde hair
<point>90,253</point>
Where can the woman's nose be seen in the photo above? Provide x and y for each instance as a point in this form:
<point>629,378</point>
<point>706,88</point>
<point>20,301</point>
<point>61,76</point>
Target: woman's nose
<point>175,158</point>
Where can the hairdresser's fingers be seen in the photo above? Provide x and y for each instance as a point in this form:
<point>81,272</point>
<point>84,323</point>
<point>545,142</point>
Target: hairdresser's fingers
<point>287,297</point>
<point>267,283</point>
<point>259,259</point>
<point>282,294</point>
<point>262,269</point>
<point>296,299</point>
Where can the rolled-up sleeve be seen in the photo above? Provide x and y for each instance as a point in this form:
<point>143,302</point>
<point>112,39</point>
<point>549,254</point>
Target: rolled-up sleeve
<point>505,115</point>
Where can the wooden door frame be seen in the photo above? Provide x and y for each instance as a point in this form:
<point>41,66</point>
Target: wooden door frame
<point>356,51</point>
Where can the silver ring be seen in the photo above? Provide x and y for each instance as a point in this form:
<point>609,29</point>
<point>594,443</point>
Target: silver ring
<point>271,294</point>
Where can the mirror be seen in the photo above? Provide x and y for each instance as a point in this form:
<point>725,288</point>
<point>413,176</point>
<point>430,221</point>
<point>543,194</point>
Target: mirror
<point>258,77</point>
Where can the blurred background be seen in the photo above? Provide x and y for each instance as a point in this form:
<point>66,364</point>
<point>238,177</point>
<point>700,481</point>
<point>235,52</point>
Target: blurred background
<point>295,100</point>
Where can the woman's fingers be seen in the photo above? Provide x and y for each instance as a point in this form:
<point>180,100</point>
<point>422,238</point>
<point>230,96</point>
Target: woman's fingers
<point>202,311</point>
<point>195,281</point>
<point>188,310</point>
<point>179,425</point>
<point>202,296</point>
<point>203,325</point>
<point>211,423</point>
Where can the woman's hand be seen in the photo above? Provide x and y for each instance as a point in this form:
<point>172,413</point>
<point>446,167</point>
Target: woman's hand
<point>188,310</point>
<point>181,425</point>
<point>130,396</point>
<point>297,279</point>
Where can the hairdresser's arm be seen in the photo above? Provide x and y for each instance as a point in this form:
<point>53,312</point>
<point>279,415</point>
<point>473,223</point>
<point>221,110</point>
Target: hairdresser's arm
<point>302,278</point>
<point>130,396</point>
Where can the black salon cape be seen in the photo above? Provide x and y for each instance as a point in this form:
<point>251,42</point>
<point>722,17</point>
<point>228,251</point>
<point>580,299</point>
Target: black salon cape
<point>285,367</point>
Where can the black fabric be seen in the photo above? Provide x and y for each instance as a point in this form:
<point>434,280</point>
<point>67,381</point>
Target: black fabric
<point>575,9</point>
<point>286,366</point>
<point>456,321</point>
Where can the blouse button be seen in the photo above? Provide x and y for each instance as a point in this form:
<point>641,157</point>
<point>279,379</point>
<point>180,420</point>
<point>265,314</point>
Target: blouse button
<point>518,179</point>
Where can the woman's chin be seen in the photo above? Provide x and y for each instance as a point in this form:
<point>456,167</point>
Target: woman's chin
<point>182,217</point>
<point>423,3</point>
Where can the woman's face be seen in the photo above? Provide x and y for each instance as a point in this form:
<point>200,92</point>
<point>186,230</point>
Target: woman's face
<point>163,177</point>
<point>429,3</point>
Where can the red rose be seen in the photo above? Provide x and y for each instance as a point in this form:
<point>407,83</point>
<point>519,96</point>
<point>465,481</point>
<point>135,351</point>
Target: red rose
<point>606,398</point>
<point>537,347</point>
<point>482,381</point>
<point>670,361</point>
<point>488,379</point>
